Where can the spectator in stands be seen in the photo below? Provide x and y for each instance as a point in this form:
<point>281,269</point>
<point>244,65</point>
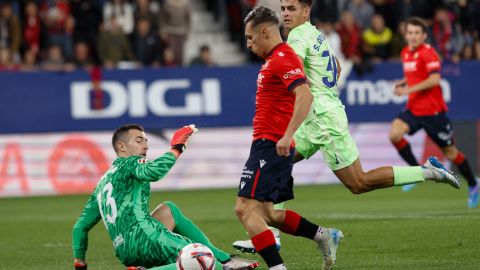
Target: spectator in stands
<point>60,25</point>
<point>113,45</point>
<point>146,44</point>
<point>467,52</point>
<point>82,57</point>
<point>6,61</point>
<point>398,41</point>
<point>175,25</point>
<point>10,31</point>
<point>204,58</point>
<point>169,57</point>
<point>123,12</point>
<point>362,11</point>
<point>377,39</point>
<point>147,9</point>
<point>476,49</point>
<point>54,60</point>
<point>29,62</point>
<point>88,18</point>
<point>351,37</point>
<point>235,21</point>
<point>325,11</point>
<point>445,35</point>
<point>385,8</point>
<point>405,9</point>
<point>35,39</point>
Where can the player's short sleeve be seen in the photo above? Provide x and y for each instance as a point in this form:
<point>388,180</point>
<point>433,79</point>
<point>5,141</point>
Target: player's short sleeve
<point>431,60</point>
<point>290,70</point>
<point>297,42</point>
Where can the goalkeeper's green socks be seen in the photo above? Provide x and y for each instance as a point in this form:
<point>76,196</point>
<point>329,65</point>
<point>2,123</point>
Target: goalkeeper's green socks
<point>184,226</point>
<point>403,175</point>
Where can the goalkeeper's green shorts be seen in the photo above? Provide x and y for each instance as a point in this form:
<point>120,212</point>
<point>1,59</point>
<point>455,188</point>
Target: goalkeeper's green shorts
<point>150,244</point>
<point>327,132</point>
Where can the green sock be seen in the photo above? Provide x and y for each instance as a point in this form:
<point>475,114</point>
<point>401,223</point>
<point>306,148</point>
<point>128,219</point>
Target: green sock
<point>407,175</point>
<point>187,228</point>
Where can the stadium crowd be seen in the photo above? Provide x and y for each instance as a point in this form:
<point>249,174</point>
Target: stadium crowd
<point>370,31</point>
<point>69,34</point>
<point>62,35</point>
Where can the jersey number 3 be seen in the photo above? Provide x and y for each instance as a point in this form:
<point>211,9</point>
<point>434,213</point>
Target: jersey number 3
<point>110,201</point>
<point>332,67</point>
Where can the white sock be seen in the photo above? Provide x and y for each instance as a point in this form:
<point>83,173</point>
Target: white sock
<point>427,173</point>
<point>279,267</point>
<point>319,234</point>
<point>276,232</point>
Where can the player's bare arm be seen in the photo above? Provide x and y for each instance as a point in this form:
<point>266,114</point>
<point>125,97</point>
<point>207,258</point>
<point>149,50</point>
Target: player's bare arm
<point>339,68</point>
<point>303,101</point>
<point>431,81</point>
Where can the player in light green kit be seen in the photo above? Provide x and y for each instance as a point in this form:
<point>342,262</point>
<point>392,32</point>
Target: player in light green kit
<point>121,201</point>
<point>326,128</point>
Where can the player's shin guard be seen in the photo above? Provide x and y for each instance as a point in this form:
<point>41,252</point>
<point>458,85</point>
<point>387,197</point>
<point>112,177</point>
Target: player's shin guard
<point>265,245</point>
<point>297,225</point>
<point>464,168</point>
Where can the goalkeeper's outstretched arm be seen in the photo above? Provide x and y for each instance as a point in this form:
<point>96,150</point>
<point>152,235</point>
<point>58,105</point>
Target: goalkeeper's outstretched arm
<point>88,219</point>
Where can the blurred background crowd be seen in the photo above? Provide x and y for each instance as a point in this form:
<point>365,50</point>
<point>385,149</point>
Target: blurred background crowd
<point>63,35</point>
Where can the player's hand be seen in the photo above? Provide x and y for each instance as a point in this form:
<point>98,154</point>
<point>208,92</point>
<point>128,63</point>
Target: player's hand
<point>180,138</point>
<point>401,90</point>
<point>80,264</point>
<point>283,146</point>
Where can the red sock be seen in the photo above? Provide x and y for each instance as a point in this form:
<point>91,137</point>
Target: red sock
<point>291,222</point>
<point>400,144</point>
<point>459,158</point>
<point>263,240</point>
<point>265,245</point>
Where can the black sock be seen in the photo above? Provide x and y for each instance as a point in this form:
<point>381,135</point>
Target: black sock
<point>271,256</point>
<point>407,155</point>
<point>465,170</point>
<point>306,229</point>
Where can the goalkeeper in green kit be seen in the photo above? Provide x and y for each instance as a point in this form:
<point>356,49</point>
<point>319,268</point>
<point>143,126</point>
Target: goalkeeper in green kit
<point>325,130</point>
<point>121,201</point>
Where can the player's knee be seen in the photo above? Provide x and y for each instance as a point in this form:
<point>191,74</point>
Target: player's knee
<point>240,211</point>
<point>394,136</point>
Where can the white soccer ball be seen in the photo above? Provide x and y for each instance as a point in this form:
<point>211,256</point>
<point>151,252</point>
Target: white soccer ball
<point>195,257</point>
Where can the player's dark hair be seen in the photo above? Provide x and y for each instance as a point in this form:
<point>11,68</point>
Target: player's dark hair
<point>417,21</point>
<point>262,14</point>
<point>306,2</point>
<point>119,132</point>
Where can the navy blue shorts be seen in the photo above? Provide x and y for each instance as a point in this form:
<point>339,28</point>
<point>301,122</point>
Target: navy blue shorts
<point>266,175</point>
<point>438,127</point>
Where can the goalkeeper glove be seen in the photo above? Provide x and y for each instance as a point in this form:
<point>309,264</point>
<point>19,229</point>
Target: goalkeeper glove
<point>180,138</point>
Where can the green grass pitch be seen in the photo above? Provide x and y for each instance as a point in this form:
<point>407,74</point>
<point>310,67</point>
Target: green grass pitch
<point>427,228</point>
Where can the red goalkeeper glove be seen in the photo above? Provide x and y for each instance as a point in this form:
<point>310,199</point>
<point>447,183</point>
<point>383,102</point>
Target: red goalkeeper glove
<point>180,138</point>
<point>80,264</point>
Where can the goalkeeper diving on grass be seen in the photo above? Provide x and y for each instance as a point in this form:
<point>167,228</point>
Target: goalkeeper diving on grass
<point>121,201</point>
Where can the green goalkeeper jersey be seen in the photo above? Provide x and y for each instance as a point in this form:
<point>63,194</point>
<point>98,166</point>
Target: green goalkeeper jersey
<point>121,200</point>
<point>319,63</point>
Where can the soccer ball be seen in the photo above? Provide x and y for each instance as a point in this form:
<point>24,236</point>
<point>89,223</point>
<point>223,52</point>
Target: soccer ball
<point>195,257</point>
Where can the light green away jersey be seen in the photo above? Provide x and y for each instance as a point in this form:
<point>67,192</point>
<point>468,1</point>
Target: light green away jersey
<point>121,200</point>
<point>319,64</point>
